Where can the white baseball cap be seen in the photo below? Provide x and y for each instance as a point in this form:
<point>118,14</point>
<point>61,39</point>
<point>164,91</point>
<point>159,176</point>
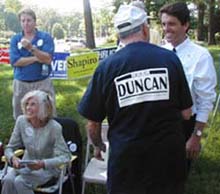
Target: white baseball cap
<point>139,4</point>
<point>129,17</point>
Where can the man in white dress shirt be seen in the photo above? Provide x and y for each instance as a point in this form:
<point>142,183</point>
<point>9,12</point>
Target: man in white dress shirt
<point>199,69</point>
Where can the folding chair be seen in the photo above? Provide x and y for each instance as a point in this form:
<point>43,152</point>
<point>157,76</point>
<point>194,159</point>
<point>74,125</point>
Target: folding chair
<point>215,108</point>
<point>96,170</point>
<point>73,138</point>
<point>57,184</point>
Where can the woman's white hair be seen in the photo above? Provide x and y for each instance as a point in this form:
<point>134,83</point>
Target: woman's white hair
<point>45,101</point>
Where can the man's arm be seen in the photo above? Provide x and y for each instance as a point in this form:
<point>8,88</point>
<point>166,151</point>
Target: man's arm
<point>43,57</point>
<point>204,89</point>
<point>40,56</point>
<point>24,61</point>
<point>193,145</point>
<point>186,113</point>
<point>94,132</point>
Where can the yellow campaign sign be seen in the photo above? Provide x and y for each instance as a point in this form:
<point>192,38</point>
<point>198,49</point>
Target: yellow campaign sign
<point>82,65</point>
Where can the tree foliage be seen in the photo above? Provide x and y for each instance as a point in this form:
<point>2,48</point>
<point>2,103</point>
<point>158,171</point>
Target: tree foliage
<point>9,12</point>
<point>72,24</point>
<point>205,18</point>
<point>12,22</point>
<point>103,22</point>
<point>13,5</point>
<point>46,18</point>
<point>58,31</point>
<point>2,19</point>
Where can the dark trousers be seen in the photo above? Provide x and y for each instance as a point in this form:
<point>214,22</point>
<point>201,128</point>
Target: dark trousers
<point>188,127</point>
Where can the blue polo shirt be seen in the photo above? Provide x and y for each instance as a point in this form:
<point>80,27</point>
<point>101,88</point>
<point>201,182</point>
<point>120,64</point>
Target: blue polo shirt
<point>44,42</point>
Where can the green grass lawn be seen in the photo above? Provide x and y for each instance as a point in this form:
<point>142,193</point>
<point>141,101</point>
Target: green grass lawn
<point>205,175</point>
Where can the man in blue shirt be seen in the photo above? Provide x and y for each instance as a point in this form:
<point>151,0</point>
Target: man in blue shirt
<point>143,92</point>
<point>31,54</point>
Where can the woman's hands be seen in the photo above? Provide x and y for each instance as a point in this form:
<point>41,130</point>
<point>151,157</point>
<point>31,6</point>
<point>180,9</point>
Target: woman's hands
<point>15,162</point>
<point>38,164</point>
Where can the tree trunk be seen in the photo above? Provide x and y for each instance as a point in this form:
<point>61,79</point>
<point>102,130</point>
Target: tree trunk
<point>200,28</point>
<point>211,32</point>
<point>88,24</point>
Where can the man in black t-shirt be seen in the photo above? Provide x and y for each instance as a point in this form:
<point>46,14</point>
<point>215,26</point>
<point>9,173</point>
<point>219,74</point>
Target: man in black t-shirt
<point>143,92</point>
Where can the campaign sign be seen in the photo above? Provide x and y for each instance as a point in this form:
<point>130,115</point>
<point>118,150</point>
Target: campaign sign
<point>82,65</point>
<point>105,52</point>
<point>59,67</point>
<point>142,86</point>
<point>4,55</point>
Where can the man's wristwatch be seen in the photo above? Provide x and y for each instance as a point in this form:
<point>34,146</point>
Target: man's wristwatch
<point>197,132</point>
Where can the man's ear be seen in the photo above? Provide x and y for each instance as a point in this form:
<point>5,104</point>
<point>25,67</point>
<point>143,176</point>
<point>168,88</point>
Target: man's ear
<point>186,25</point>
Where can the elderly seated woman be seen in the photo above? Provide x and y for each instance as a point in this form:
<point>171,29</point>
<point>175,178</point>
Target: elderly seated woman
<point>42,138</point>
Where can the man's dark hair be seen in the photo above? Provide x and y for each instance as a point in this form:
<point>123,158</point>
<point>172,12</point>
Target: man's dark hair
<point>178,10</point>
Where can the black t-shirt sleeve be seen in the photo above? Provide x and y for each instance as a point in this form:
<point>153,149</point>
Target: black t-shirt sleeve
<point>92,105</point>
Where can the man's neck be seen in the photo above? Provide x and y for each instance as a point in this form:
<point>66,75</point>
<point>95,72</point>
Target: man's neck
<point>133,38</point>
<point>30,35</point>
<point>180,41</point>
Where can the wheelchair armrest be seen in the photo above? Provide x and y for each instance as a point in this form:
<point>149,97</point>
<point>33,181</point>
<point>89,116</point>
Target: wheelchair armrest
<point>17,153</point>
<point>74,157</point>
